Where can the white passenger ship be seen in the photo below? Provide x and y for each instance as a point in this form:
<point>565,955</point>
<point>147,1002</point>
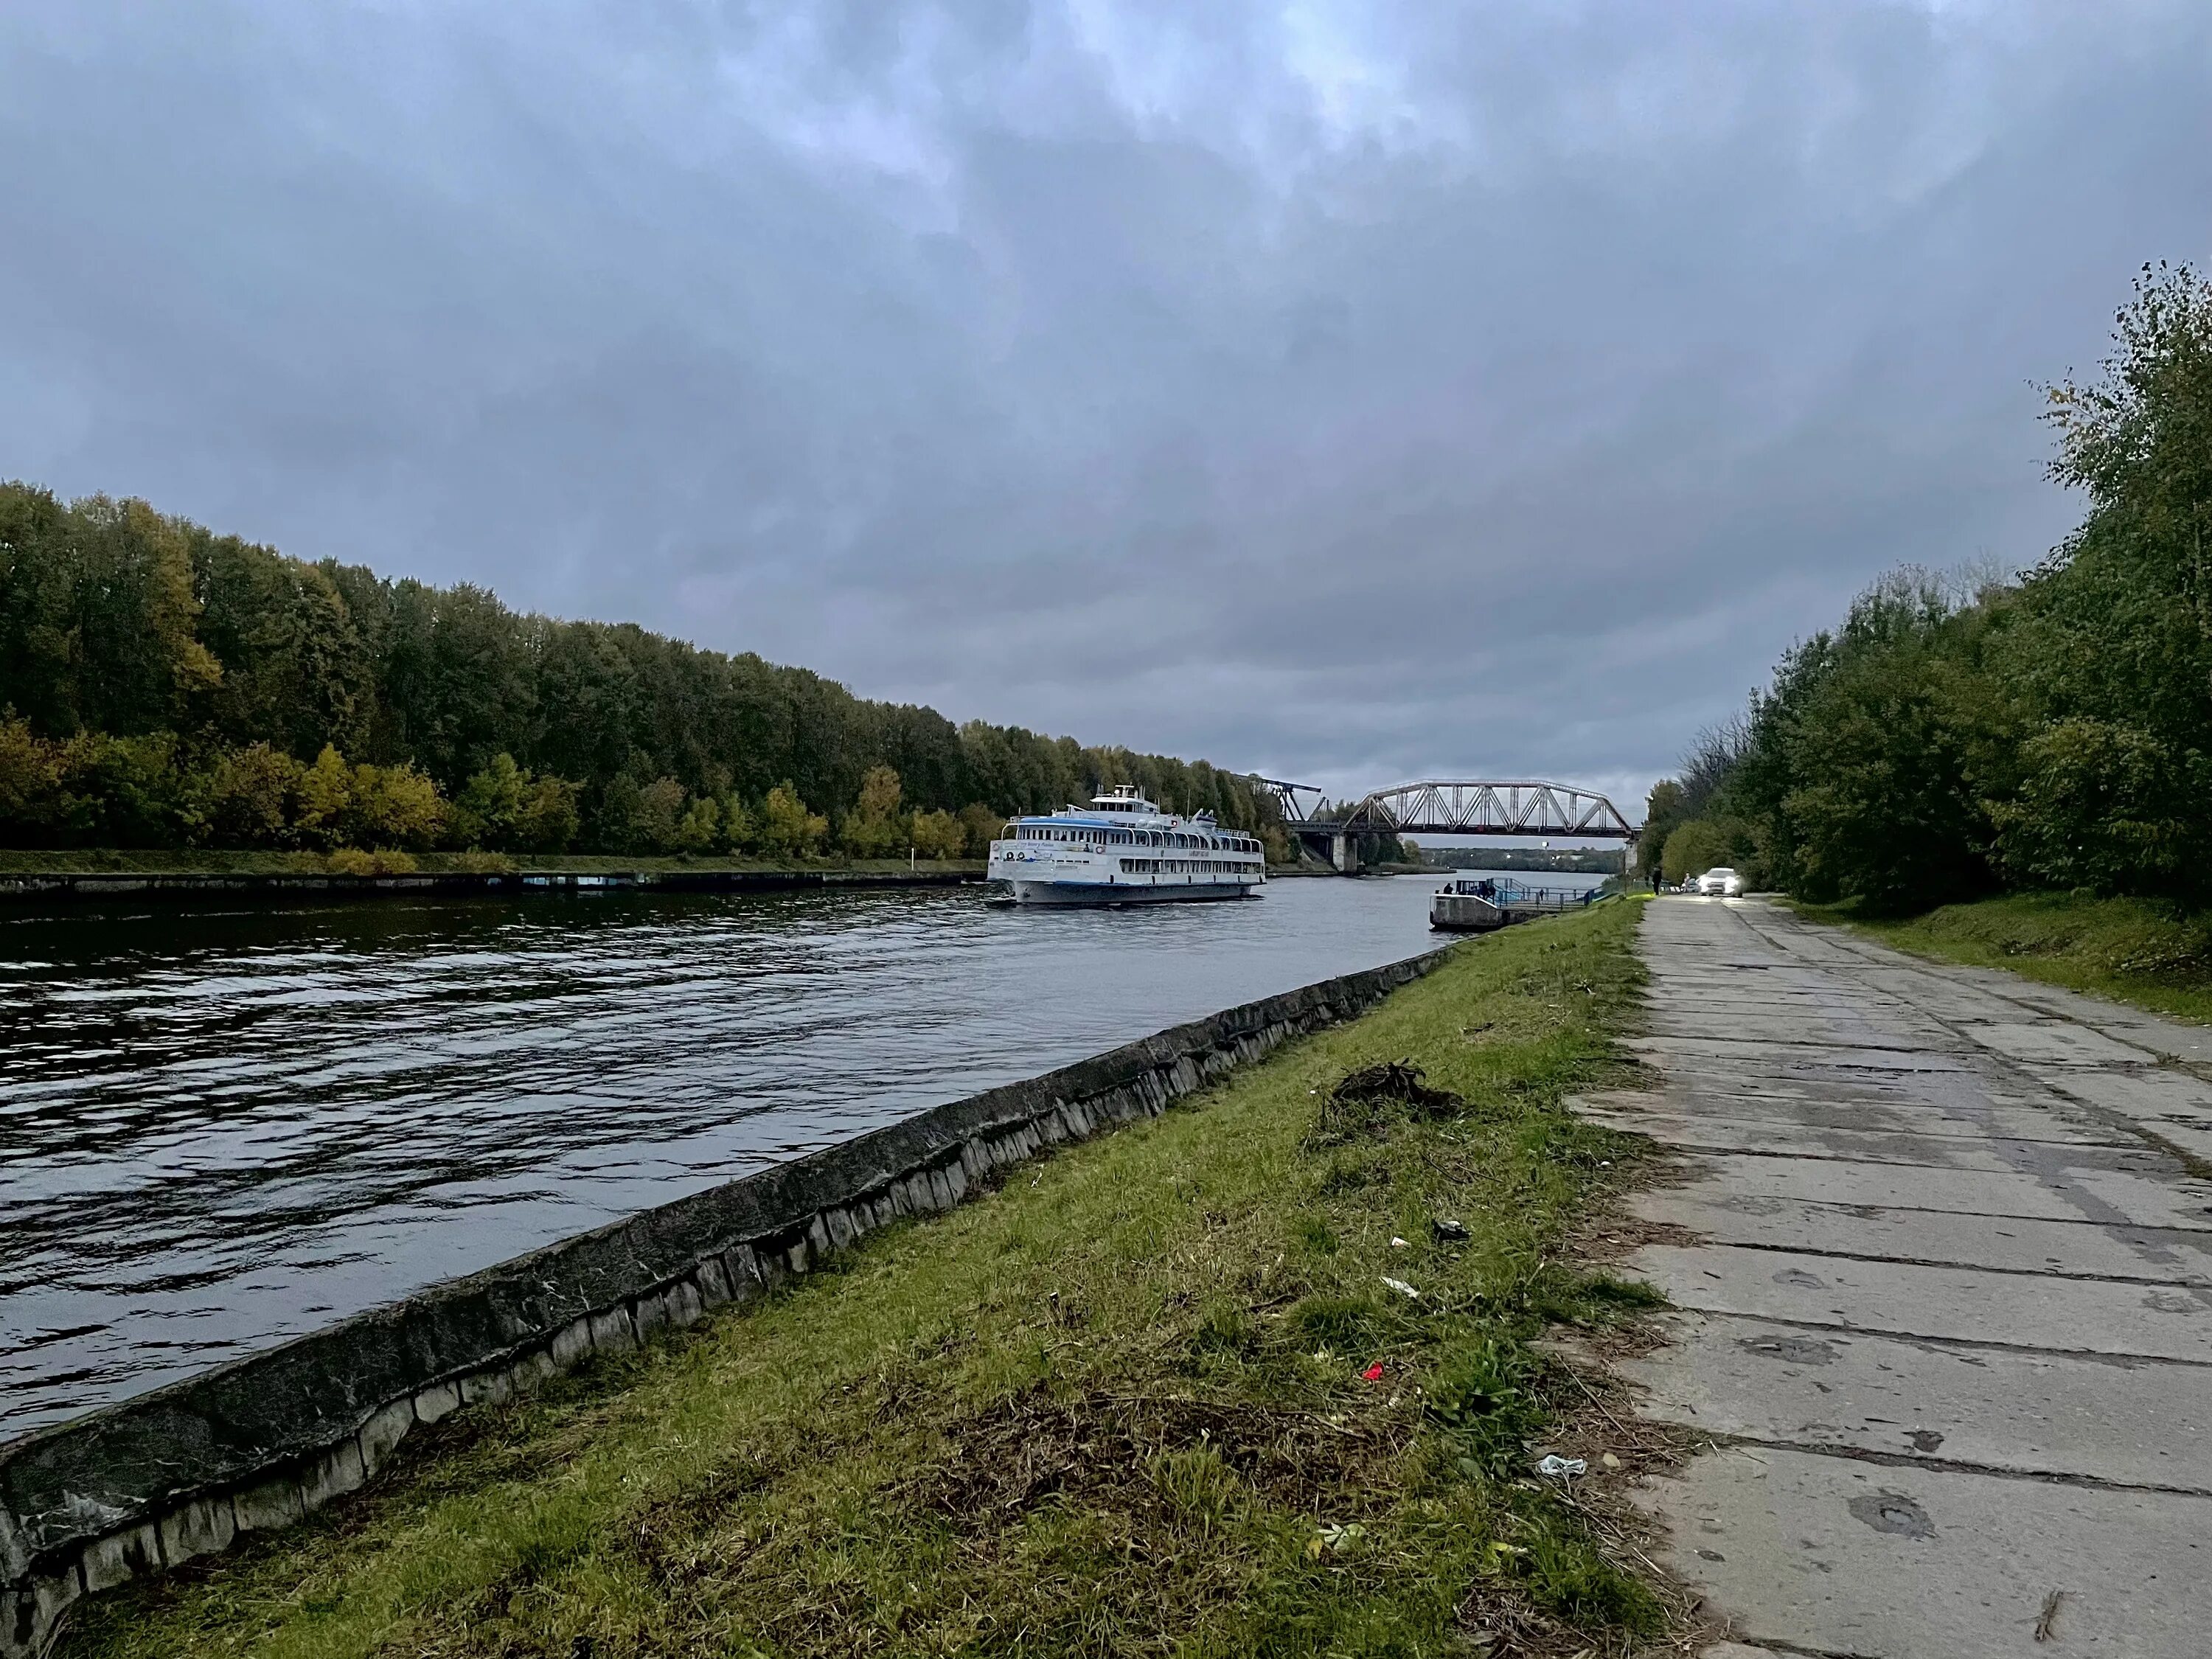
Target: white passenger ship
<point>1122,849</point>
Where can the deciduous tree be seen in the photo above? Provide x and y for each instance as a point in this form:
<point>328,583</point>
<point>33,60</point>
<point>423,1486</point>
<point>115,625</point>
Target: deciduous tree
<point>787,828</point>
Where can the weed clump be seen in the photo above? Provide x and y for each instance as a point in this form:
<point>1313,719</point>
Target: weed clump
<point>1566,1574</point>
<point>1486,1395</point>
<point>1341,1324</point>
<point>1363,1105</point>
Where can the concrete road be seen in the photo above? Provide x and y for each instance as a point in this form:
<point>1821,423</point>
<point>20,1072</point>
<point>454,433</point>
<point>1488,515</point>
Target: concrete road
<point>1947,1326</point>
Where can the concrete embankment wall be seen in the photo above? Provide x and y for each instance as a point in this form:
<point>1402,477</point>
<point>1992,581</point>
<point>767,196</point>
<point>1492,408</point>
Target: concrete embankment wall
<point>188,884</point>
<point>181,1471</point>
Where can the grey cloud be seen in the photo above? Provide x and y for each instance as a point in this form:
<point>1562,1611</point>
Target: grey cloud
<point>1349,392</point>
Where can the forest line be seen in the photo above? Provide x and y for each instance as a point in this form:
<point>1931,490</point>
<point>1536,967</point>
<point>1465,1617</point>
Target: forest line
<point>161,686</point>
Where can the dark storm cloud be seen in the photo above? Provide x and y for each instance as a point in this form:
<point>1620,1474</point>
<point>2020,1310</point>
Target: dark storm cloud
<point>1350,391</point>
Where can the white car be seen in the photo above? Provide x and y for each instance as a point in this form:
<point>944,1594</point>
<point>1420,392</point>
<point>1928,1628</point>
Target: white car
<point>1722,883</point>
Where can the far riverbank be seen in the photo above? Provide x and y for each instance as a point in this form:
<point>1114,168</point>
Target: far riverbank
<point>455,875</point>
<point>184,872</point>
<point>20,863</point>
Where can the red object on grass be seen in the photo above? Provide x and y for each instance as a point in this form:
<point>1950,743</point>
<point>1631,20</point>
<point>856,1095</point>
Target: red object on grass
<point>1374,1373</point>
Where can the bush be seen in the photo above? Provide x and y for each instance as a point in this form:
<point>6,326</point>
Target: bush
<point>252,800</point>
<point>127,792</point>
<point>480,863</point>
<point>656,822</point>
<point>741,828</point>
<point>394,806</point>
<point>983,826</point>
<point>548,818</point>
<point>31,809</point>
<point>491,808</point>
<point>699,829</point>
<point>2105,807</point>
<point>938,835</point>
<point>352,861</point>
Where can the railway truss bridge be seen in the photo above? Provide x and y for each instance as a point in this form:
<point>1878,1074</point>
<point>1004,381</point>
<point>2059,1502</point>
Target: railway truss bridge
<point>1335,833</point>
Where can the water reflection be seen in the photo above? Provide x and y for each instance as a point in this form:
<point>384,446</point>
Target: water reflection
<point>219,1129</point>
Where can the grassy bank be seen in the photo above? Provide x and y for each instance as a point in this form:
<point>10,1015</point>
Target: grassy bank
<point>2126,948</point>
<point>1123,1405</point>
<point>207,862</point>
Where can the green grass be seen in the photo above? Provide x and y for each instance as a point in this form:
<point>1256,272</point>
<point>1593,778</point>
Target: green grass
<point>200,860</point>
<point>2132,951</point>
<point>1114,1407</point>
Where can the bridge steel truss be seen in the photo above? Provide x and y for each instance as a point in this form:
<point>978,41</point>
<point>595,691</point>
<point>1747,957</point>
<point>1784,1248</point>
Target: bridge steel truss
<point>1448,806</point>
<point>1472,807</point>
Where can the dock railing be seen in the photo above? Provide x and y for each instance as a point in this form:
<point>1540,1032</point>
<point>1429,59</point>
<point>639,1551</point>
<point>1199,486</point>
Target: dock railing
<point>1509,895</point>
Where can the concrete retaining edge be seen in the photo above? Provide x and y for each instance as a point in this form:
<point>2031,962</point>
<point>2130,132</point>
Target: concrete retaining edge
<point>152,1482</point>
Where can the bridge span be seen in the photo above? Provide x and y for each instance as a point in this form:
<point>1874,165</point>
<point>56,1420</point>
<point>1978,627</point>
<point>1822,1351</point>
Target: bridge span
<point>1446,806</point>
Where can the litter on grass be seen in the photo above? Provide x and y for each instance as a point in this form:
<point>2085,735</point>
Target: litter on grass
<point>1401,1287</point>
<point>1336,1539</point>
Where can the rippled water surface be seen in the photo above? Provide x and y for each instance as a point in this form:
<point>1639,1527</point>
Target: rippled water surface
<point>219,1129</point>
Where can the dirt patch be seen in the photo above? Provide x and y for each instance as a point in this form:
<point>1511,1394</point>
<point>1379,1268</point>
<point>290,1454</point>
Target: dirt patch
<point>1365,1102</point>
<point>1034,1447</point>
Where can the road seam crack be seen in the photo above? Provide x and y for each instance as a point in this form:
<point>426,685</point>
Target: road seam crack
<point>1950,1465</point>
<point>1980,1345</point>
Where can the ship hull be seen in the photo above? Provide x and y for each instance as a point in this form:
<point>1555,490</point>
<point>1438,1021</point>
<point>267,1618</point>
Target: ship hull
<point>1099,892</point>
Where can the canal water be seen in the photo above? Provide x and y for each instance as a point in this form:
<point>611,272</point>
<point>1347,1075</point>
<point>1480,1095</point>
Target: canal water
<point>219,1129</point>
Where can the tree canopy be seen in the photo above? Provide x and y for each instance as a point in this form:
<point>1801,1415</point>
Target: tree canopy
<point>162,684</point>
<point>2054,730</point>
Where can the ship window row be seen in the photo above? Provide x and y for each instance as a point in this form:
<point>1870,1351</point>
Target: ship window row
<point>1135,838</point>
<point>1183,867</point>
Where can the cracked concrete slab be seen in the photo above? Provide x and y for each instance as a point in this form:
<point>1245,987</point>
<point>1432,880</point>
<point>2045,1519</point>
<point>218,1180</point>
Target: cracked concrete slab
<point>1719,1026</point>
<point>2073,1248</point>
<point>1819,1554</point>
<point>1802,1056</point>
<point>2002,996</point>
<point>1954,1146</point>
<point>2125,1421</point>
<point>2121,1197</point>
<point>2052,1120</point>
<point>2173,1107</point>
<point>2049,1042</point>
<point>1968,1305</point>
<point>1949,1324</point>
<point>2153,1098</point>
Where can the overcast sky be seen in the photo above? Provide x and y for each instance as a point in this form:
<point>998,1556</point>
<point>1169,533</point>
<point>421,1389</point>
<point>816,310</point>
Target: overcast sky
<point>1349,391</point>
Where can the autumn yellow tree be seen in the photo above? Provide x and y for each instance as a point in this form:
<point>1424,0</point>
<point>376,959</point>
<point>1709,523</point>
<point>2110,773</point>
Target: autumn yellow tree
<point>787,828</point>
<point>873,828</point>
